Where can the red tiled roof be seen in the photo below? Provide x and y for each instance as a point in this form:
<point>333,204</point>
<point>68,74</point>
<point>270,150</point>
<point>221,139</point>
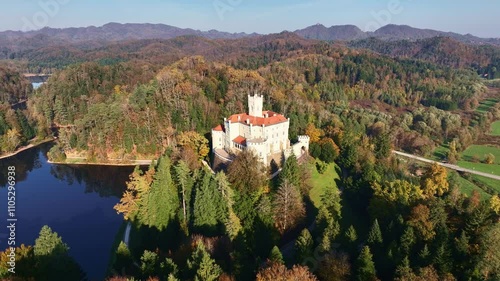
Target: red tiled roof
<point>240,140</point>
<point>273,119</point>
<point>219,128</point>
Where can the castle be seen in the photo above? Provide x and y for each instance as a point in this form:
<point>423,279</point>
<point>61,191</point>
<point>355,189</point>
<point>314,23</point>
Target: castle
<point>264,132</point>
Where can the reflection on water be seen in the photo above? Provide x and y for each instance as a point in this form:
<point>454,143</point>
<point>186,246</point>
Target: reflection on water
<point>76,202</point>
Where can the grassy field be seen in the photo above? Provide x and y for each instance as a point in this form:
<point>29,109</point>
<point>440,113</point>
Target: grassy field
<point>495,128</point>
<point>480,151</point>
<point>440,153</point>
<point>485,168</point>
<point>320,182</point>
<point>494,184</point>
<point>467,186</point>
<point>486,105</point>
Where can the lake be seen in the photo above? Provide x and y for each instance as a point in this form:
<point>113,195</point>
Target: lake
<point>76,202</point>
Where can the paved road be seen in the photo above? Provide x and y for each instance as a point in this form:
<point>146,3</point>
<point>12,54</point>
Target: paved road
<point>449,166</point>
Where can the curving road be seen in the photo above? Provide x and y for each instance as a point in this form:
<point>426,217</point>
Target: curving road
<point>449,166</point>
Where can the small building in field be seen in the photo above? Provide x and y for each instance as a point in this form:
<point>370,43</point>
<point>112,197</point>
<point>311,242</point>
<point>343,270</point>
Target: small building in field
<point>264,132</point>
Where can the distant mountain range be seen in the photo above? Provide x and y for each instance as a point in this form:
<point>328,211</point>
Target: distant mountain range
<point>389,32</point>
<point>113,32</point>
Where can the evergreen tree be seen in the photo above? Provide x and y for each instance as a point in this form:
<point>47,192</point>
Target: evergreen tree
<point>275,256</point>
<point>442,259</point>
<point>163,199</point>
<point>365,266</point>
<point>123,258</point>
<point>327,227</point>
<point>375,234</point>
<point>351,234</point>
<point>407,240</point>
<point>185,183</point>
<point>424,255</point>
<point>304,246</point>
<point>149,264</point>
<point>52,259</point>
<point>205,210</point>
<point>291,171</point>
<point>404,271</point>
<point>202,266</point>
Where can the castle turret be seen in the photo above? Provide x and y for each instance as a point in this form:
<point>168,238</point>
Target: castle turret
<point>255,104</point>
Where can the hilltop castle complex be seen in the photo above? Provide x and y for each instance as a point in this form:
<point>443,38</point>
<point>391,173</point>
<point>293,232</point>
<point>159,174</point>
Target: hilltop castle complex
<point>264,132</point>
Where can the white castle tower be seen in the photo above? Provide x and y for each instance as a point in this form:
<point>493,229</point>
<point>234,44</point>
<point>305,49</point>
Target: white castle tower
<point>255,104</point>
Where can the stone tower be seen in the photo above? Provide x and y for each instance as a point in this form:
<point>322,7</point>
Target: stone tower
<point>255,104</point>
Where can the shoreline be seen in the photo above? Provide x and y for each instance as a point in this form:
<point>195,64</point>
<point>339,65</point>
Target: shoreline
<point>84,163</point>
<point>27,147</point>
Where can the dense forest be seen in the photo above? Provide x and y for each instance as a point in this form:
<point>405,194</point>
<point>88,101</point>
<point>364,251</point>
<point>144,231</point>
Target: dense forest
<point>17,126</point>
<point>380,218</point>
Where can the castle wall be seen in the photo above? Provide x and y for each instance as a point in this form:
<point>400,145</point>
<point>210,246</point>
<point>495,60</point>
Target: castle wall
<point>218,139</point>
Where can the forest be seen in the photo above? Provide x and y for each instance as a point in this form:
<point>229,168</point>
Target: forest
<point>377,217</point>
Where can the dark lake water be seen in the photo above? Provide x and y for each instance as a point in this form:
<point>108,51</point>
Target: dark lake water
<point>76,202</point>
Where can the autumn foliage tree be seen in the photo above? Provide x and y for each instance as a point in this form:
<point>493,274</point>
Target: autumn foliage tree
<point>279,272</point>
<point>246,173</point>
<point>289,208</point>
<point>435,181</point>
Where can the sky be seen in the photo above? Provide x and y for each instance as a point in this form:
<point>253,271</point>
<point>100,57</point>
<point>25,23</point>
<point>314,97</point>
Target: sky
<point>480,17</point>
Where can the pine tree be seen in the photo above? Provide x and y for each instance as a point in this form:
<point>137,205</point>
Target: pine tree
<point>291,172</point>
<point>407,240</point>
<point>365,266</point>
<point>275,256</point>
<point>351,234</point>
<point>149,264</point>
<point>185,183</point>
<point>404,271</point>
<point>52,259</point>
<point>375,234</point>
<point>304,246</point>
<point>202,266</point>
<point>49,243</point>
<point>123,258</point>
<point>424,255</point>
<point>205,210</point>
<point>163,199</point>
<point>327,227</point>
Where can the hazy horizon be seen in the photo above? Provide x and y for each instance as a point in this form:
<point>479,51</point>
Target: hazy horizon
<point>256,16</point>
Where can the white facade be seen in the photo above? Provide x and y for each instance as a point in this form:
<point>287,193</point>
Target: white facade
<point>264,132</point>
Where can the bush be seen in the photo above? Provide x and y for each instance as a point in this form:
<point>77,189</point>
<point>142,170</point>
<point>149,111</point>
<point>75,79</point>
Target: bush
<point>56,154</point>
<point>321,166</point>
